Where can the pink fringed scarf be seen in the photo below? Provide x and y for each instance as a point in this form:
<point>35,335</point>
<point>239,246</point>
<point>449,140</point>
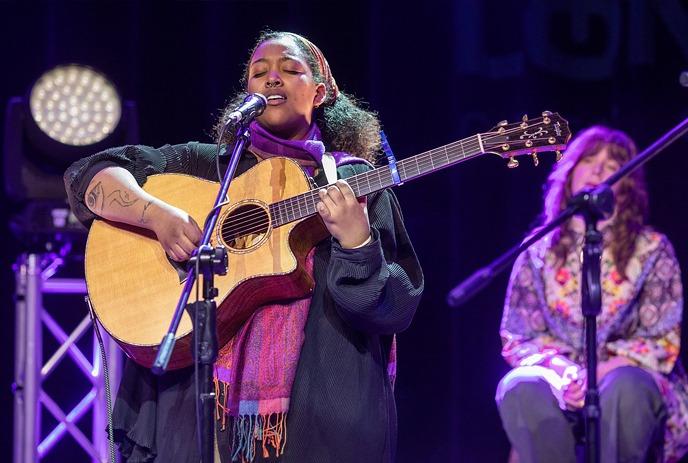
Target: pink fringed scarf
<point>255,371</point>
<point>254,374</point>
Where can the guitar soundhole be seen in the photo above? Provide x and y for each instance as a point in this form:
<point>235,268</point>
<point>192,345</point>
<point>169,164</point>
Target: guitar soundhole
<point>245,226</point>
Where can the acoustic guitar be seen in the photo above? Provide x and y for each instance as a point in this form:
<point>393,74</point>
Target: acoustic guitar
<point>268,227</point>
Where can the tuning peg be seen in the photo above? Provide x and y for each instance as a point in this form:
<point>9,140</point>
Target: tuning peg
<point>525,118</point>
<point>513,163</point>
<point>502,123</point>
<point>546,113</point>
<point>536,161</point>
<point>559,155</point>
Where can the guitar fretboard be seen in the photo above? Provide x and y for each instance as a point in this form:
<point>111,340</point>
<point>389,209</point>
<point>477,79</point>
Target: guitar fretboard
<point>303,205</point>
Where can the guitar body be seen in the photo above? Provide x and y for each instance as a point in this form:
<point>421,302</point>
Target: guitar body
<point>134,287</point>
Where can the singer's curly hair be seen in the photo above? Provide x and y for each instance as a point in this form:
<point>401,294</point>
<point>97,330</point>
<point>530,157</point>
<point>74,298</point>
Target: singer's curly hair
<point>631,194</point>
<point>344,124</point>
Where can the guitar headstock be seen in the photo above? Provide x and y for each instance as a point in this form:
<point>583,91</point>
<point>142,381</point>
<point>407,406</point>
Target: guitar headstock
<point>550,132</point>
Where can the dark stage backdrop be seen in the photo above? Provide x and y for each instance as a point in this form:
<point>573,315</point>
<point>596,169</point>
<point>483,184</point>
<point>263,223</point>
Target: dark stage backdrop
<point>435,72</point>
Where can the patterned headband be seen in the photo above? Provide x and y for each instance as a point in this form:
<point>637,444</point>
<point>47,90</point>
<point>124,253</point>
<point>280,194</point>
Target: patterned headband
<point>322,64</point>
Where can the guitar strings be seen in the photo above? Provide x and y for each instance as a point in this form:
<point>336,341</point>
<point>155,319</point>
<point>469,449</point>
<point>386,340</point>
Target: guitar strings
<point>248,218</point>
<point>466,143</point>
<point>297,201</point>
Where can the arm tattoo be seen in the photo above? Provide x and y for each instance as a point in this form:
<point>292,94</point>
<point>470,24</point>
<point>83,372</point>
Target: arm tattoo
<point>96,198</point>
<point>122,198</point>
<point>143,219</point>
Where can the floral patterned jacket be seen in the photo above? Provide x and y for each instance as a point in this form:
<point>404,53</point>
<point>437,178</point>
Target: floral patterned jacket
<point>640,319</point>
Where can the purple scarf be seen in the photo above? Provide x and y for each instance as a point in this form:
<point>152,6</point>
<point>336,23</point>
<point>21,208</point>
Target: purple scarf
<point>309,151</point>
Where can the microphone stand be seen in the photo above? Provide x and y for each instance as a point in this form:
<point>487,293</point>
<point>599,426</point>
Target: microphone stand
<point>207,261</point>
<point>592,205</point>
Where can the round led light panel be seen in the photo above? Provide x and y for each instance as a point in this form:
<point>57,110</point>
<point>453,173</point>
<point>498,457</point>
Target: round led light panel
<point>75,105</point>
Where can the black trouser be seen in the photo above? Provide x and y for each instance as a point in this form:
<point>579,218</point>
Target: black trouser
<point>632,423</point>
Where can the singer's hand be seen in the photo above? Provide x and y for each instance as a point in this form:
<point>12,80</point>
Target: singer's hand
<point>345,216</point>
<point>177,231</point>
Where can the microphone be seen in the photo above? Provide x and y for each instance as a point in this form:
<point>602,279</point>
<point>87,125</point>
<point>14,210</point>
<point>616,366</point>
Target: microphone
<point>254,104</point>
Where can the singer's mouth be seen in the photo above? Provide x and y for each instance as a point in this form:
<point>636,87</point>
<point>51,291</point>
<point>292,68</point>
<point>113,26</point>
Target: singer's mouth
<point>276,99</point>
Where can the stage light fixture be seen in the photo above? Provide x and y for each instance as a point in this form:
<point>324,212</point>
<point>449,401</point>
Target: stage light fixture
<point>69,112</point>
<point>75,105</point>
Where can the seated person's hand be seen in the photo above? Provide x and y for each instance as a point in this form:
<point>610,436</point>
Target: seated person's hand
<point>574,392</point>
<point>564,367</point>
<point>573,388</point>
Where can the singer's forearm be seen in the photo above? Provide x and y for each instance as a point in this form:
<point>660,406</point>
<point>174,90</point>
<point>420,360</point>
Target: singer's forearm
<point>114,195</point>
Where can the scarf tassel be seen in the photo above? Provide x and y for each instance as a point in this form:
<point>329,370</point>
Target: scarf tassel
<point>270,429</point>
<point>221,410</point>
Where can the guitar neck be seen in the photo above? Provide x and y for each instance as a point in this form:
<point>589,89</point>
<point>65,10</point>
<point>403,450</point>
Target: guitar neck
<point>303,205</point>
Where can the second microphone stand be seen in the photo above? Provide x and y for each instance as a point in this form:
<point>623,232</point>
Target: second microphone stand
<point>592,206</point>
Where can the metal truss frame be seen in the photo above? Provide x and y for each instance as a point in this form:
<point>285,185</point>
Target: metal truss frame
<point>35,278</point>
